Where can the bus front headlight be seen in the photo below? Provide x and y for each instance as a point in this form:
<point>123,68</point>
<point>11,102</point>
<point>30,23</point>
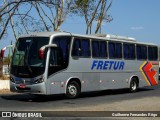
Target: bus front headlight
<point>12,79</point>
<point>39,80</point>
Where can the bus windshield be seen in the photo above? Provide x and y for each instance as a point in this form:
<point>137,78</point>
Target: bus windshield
<point>26,61</point>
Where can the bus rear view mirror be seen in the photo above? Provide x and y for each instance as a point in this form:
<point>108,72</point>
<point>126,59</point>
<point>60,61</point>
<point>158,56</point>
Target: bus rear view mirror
<point>5,48</point>
<point>43,48</point>
<point>2,52</point>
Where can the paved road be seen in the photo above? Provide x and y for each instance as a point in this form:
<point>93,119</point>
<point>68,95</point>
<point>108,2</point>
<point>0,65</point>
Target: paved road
<point>146,99</point>
<point>87,101</point>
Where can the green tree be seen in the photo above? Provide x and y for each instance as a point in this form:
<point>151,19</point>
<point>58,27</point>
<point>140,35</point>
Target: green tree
<point>52,14</point>
<point>93,10</point>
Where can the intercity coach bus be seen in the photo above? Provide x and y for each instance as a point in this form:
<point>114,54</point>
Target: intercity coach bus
<point>64,63</point>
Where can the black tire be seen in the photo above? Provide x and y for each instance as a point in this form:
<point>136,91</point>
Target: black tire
<point>134,85</point>
<point>72,90</point>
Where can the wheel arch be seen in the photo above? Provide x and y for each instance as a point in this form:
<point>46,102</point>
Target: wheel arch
<point>76,79</point>
<point>134,76</point>
<point>134,84</point>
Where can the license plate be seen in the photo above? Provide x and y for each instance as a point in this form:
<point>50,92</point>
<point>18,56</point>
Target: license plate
<point>22,86</point>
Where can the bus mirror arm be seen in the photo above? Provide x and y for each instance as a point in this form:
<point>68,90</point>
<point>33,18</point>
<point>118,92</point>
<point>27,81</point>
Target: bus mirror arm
<point>42,50</point>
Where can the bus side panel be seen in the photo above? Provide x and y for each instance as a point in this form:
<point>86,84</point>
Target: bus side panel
<point>57,82</point>
<point>93,80</point>
<point>90,81</point>
<point>114,80</point>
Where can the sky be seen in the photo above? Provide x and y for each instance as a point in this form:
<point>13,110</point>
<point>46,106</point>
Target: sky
<point>139,19</point>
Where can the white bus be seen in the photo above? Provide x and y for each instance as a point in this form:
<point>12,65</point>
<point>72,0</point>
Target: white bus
<point>61,62</point>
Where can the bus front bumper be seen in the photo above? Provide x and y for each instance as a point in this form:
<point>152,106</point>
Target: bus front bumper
<point>39,88</point>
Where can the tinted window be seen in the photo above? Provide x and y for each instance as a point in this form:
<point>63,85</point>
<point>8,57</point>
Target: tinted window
<point>129,51</point>
<point>76,50</point>
<point>111,50</point>
<point>99,49</point>
<point>26,59</point>
<point>132,51</point>
<point>59,57</point>
<point>152,53</point>
<point>85,48</point>
<point>55,58</point>
<point>103,49</point>
<point>141,52</point>
<point>81,47</point>
<point>95,48</point>
<point>63,44</point>
<point>56,62</point>
<point>27,51</point>
<point>115,50</point>
<point>118,50</point>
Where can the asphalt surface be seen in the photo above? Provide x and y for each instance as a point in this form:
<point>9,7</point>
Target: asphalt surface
<point>29,102</point>
<point>86,101</point>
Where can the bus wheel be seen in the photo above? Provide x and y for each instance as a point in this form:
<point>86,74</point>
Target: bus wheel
<point>133,85</point>
<point>72,90</point>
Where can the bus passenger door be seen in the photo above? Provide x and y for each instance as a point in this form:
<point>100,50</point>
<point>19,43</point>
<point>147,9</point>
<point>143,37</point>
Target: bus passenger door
<point>55,61</point>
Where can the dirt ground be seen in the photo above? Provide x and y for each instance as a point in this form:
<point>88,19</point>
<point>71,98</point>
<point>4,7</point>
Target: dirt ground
<point>5,91</point>
<point>4,78</point>
<point>1,64</point>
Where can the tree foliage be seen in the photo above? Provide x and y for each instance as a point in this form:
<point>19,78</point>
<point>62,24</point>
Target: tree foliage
<point>93,10</point>
<point>25,16</point>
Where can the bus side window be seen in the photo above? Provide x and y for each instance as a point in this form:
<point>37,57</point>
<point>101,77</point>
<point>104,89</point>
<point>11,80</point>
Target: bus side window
<point>152,53</point>
<point>138,51</point>
<point>144,52</point>
<point>126,51</point>
<point>95,48</point>
<point>129,51</point>
<point>155,53</point>
<point>141,51</point>
<point>132,51</point>
<point>81,48</point>
<point>103,49</point>
<point>76,50</point>
<point>55,57</point>
<point>115,50</point>
<point>99,49</point>
<point>118,50</point>
<point>63,44</point>
<point>111,50</point>
<point>85,46</point>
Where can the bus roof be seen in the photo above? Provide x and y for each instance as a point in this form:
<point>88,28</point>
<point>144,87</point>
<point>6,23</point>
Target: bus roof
<point>94,36</point>
<point>40,34</point>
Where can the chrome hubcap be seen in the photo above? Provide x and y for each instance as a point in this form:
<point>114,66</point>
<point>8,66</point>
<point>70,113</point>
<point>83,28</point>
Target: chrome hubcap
<point>134,86</point>
<point>72,90</point>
